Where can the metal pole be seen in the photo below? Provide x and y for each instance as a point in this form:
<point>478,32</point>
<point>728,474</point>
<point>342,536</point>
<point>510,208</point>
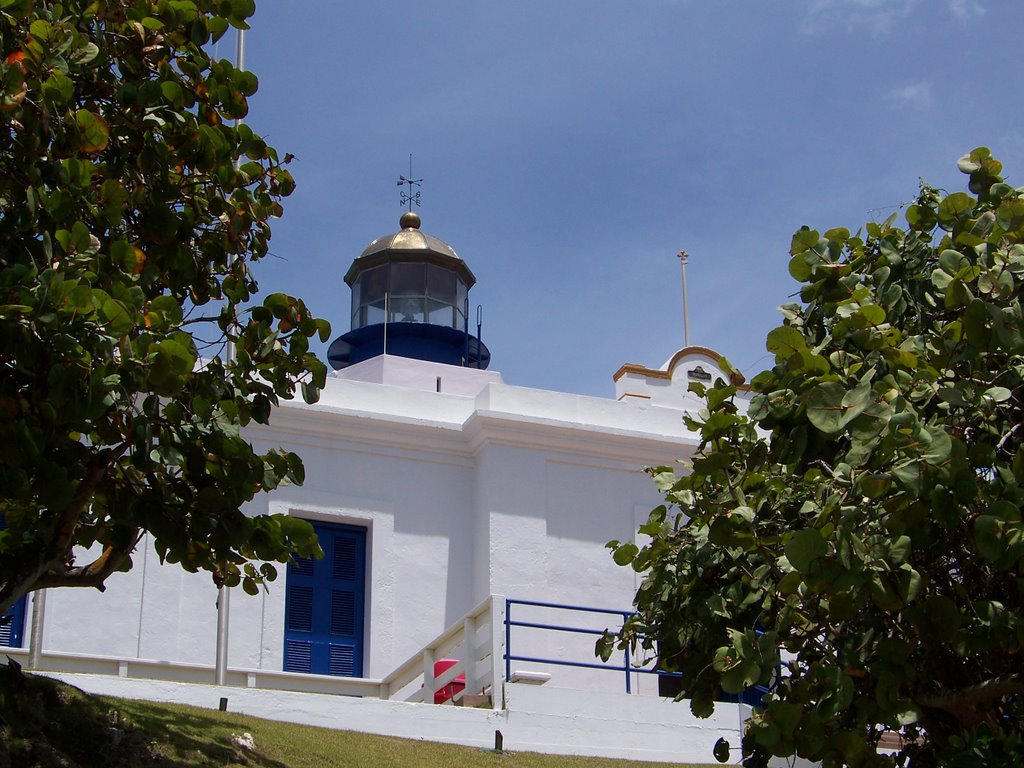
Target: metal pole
<point>223,593</point>
<point>465,331</point>
<point>479,325</point>
<point>683,258</point>
<point>223,605</point>
<point>35,648</point>
<point>240,54</point>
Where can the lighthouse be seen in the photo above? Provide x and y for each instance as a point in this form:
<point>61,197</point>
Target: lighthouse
<point>410,298</point>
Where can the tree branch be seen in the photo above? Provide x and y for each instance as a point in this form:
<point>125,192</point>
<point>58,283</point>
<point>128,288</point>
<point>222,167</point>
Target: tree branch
<point>1007,436</point>
<point>967,704</point>
<point>54,553</point>
<point>94,574</point>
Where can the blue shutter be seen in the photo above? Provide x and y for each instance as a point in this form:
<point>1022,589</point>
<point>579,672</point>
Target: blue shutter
<point>342,661</point>
<point>324,605</point>
<point>299,610</point>
<point>298,656</point>
<point>12,623</point>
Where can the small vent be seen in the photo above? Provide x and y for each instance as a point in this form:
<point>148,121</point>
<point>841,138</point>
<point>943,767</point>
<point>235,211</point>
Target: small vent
<point>303,566</point>
<point>300,609</point>
<point>342,661</point>
<point>344,558</point>
<point>298,656</point>
<point>343,612</point>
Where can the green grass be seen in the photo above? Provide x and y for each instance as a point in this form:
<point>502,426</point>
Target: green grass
<point>199,737</point>
<point>45,723</point>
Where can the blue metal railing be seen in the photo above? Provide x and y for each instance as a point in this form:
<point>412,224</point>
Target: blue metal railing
<point>627,664</point>
<point>751,696</point>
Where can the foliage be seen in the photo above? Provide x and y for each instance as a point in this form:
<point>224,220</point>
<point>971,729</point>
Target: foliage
<point>131,209</point>
<point>855,540</point>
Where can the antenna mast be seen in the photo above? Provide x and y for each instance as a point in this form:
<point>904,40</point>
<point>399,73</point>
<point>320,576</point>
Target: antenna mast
<point>683,258</point>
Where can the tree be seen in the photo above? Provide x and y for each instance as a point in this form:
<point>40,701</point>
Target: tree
<point>131,210</point>
<point>855,541</point>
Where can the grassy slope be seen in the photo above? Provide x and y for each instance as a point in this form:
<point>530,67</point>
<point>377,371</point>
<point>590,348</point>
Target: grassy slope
<point>45,723</point>
<point>298,746</point>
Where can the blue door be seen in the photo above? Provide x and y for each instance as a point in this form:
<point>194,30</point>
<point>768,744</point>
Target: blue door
<point>12,623</point>
<point>324,605</point>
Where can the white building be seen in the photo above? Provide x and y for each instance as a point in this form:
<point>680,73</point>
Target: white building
<point>433,486</point>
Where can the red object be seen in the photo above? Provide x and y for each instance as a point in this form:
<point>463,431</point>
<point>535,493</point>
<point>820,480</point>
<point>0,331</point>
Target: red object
<point>457,684</point>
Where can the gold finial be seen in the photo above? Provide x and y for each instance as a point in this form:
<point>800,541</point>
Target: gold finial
<point>410,220</point>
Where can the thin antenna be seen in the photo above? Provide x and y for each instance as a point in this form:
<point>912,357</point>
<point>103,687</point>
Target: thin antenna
<point>683,258</point>
<point>465,332</point>
<point>408,197</point>
<point>479,324</point>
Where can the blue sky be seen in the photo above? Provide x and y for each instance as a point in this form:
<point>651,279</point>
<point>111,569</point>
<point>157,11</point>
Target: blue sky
<point>570,149</point>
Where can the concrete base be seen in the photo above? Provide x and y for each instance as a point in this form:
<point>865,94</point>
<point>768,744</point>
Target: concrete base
<point>536,719</point>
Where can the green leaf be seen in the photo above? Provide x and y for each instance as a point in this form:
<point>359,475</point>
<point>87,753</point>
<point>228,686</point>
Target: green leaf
<point>86,53</point>
<point>957,295</point>
<point>805,546</point>
<point>702,706</point>
<point>116,316</point>
<point>974,160</point>
<point>726,658</point>
<point>1010,214</point>
<point>899,549</point>
<point>874,485</point>
<point>939,447</point>
<point>830,406</point>
<point>625,553</point>
<point>953,262</point>
<point>113,197</point>
<point>58,88</point>
<point>721,750</point>
<point>954,206</point>
<point>173,93</point>
<point>164,312</point>
<point>95,135</point>
<point>872,314</point>
<point>785,342</point>
<point>998,394</point>
<point>909,476</point>
<point>804,240</point>
<point>883,594</point>
<point>172,363</point>
<point>799,268</point>
<point>310,393</point>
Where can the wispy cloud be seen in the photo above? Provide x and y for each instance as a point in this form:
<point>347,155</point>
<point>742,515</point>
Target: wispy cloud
<point>913,95</point>
<point>965,10</point>
<point>877,16</point>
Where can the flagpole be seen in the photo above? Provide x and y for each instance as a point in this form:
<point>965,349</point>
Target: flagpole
<point>683,258</point>
<point>223,593</point>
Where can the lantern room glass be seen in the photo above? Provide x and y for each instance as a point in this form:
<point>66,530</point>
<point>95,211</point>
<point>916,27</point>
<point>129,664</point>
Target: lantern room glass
<point>415,292</point>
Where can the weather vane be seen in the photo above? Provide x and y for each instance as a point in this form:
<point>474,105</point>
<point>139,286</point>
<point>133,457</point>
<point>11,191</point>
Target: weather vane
<point>408,197</point>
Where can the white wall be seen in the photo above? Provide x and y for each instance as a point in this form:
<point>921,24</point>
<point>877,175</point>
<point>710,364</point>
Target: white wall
<point>506,491</point>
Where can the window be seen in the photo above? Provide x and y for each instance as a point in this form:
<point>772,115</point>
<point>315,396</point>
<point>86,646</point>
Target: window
<point>324,605</point>
<point>416,293</point>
